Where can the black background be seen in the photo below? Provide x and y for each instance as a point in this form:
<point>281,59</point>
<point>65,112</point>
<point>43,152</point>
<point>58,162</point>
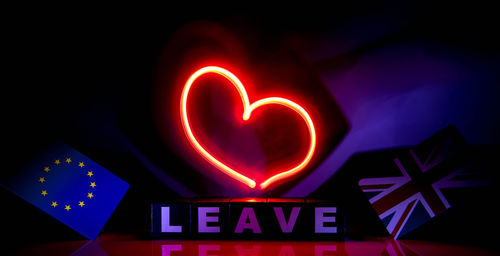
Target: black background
<point>59,60</point>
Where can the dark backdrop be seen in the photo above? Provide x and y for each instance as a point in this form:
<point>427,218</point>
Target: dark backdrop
<point>85,75</point>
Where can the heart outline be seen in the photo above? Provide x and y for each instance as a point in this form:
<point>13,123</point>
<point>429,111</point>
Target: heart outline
<point>247,110</point>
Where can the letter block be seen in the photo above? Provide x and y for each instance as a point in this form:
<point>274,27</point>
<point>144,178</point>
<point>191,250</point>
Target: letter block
<point>171,220</point>
<point>210,218</point>
<point>287,218</point>
<point>246,218</point>
<point>327,218</point>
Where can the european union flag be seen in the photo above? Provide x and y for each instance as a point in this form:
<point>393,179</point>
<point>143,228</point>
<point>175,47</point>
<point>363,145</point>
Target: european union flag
<point>70,187</point>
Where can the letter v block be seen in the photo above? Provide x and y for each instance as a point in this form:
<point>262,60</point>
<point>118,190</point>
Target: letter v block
<point>286,219</point>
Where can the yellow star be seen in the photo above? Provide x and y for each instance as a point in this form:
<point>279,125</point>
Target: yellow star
<point>67,207</point>
<point>81,164</point>
<point>44,192</point>
<point>81,204</point>
<point>92,184</point>
<point>57,162</point>
<point>54,204</point>
<point>89,173</point>
<point>90,195</point>
<point>46,169</point>
<point>68,160</point>
<point>41,180</point>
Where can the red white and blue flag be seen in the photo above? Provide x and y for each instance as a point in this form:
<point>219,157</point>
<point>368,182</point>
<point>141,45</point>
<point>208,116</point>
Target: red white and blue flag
<point>431,178</point>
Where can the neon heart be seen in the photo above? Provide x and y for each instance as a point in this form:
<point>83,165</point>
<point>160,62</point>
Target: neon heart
<point>247,111</point>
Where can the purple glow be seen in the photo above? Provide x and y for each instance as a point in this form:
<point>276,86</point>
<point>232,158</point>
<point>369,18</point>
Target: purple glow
<point>400,94</point>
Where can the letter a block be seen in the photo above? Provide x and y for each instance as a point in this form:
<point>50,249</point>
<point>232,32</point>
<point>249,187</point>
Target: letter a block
<point>286,219</point>
<point>247,217</point>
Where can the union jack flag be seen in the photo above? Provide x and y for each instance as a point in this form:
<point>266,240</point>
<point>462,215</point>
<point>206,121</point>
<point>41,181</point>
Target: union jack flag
<point>429,176</point>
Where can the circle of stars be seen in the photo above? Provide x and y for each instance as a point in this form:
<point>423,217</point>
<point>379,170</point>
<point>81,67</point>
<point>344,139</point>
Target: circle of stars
<point>53,168</point>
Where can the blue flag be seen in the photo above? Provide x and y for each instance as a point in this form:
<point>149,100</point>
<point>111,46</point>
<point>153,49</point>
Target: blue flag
<point>70,187</point>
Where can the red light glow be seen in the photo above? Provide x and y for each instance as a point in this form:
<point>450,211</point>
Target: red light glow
<point>248,108</point>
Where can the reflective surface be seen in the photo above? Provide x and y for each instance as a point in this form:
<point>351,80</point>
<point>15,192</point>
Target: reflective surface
<point>128,245</point>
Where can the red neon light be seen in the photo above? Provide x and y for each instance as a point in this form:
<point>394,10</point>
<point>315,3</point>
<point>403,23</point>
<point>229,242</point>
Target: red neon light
<point>248,108</point>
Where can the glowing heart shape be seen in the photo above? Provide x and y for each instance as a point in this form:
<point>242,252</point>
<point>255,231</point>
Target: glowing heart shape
<point>248,108</point>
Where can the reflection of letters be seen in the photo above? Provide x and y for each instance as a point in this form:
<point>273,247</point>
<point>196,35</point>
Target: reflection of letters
<point>167,248</point>
<point>243,251</point>
<point>203,249</point>
<point>286,250</point>
<point>248,249</point>
<point>320,250</point>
